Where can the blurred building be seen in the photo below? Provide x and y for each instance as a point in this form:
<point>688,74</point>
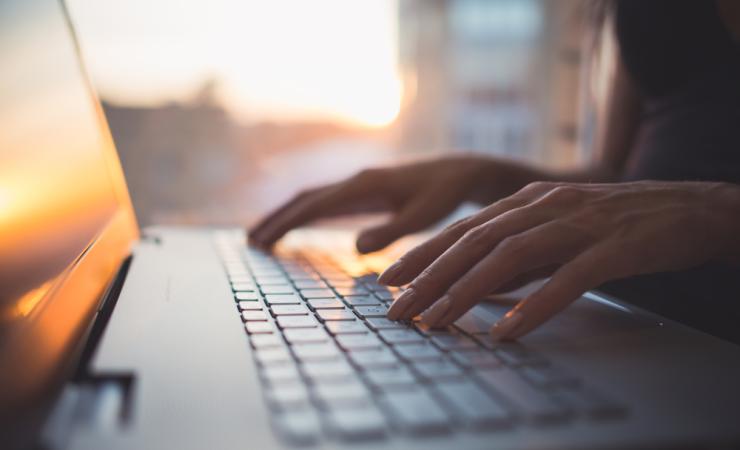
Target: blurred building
<point>177,157</point>
<point>492,76</point>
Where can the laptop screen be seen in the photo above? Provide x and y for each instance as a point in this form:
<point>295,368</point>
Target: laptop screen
<point>65,217</point>
<point>56,193</point>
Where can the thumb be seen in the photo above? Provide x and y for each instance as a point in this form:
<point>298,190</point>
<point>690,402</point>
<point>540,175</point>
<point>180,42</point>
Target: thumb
<point>421,212</point>
<point>378,237</point>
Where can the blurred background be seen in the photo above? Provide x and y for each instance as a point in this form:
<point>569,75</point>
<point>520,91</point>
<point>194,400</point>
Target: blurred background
<point>221,110</point>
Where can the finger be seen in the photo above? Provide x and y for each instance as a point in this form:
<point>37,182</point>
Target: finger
<point>420,212</point>
<point>588,270</point>
<point>539,247</point>
<point>257,230</point>
<point>410,265</point>
<point>303,211</point>
<point>460,257</point>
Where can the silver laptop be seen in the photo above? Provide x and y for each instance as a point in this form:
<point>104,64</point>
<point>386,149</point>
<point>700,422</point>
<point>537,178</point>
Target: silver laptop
<point>116,338</point>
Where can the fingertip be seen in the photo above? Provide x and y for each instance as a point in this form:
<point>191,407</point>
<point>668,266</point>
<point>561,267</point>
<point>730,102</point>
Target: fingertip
<point>502,330</point>
<point>366,244</point>
<point>391,273</point>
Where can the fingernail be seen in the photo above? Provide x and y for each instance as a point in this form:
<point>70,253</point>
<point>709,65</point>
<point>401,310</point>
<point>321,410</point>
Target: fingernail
<point>401,304</point>
<point>437,311</point>
<point>390,274</point>
<point>505,325</point>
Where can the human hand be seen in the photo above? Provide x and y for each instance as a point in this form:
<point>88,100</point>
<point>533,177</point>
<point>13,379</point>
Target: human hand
<point>418,195</point>
<point>581,235</point>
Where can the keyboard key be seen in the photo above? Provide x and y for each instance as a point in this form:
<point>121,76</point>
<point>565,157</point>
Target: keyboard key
<point>381,323</point>
<point>454,342</point>
<point>280,374</point>
<point>250,306</point>
<point>272,280</point>
<point>352,290</point>
<point>404,336</point>
<point>336,278</point>
<point>388,378</point>
<point>472,324</point>
<point>259,327</point>
<point>357,424</point>
<point>473,405</point>
<point>384,295</point>
<point>428,331</point>
<point>437,370</point>
<point>374,358</point>
<point>271,271</point>
<point>243,287</point>
<point>298,427</point>
<point>287,396</point>
<point>298,336</point>
<point>335,314</point>
<point>247,296</point>
<point>416,412</point>
<point>278,289</point>
<point>249,316</point>
<point>358,341</point>
<point>325,303</point>
<point>418,352</point>
<point>303,275</point>
<point>310,284</point>
<point>240,279</point>
<point>273,356</point>
<point>371,311</point>
<point>334,394</point>
<point>476,359</point>
<point>266,341</point>
<point>345,327</point>
<point>317,293</point>
<point>283,299</point>
<point>327,370</point>
<point>316,352</point>
<point>361,300</point>
<point>532,404</point>
<point>289,310</point>
<point>341,282</point>
<point>297,322</point>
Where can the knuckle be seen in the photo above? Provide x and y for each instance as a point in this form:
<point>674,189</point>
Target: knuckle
<point>475,236</point>
<point>564,194</point>
<point>538,186</point>
<point>459,227</point>
<point>512,246</point>
<point>366,175</point>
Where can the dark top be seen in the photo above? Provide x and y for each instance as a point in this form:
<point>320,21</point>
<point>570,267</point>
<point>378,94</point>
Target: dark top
<point>687,66</point>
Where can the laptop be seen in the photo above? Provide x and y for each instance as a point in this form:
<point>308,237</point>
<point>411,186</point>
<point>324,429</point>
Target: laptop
<point>118,338</point>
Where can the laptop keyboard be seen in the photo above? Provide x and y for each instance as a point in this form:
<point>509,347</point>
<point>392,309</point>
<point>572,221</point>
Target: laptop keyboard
<point>334,367</point>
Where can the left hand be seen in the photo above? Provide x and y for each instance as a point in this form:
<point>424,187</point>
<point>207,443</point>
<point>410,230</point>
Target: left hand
<point>581,235</point>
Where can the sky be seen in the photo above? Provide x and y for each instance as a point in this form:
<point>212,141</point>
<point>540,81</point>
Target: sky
<point>274,60</point>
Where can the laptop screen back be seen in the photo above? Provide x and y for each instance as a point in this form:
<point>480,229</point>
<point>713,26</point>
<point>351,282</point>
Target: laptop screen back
<point>61,188</point>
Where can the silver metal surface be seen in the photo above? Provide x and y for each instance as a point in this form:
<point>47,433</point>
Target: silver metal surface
<point>176,328</point>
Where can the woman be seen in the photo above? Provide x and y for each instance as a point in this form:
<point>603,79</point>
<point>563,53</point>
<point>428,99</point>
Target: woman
<point>672,116</point>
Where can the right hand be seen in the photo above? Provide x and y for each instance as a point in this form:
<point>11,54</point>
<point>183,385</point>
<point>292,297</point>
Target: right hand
<point>418,195</point>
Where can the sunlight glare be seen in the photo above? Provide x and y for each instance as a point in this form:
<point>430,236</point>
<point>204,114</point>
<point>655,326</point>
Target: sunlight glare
<point>275,60</point>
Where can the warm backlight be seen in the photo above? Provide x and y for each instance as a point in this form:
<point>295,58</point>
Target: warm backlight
<point>276,60</point>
